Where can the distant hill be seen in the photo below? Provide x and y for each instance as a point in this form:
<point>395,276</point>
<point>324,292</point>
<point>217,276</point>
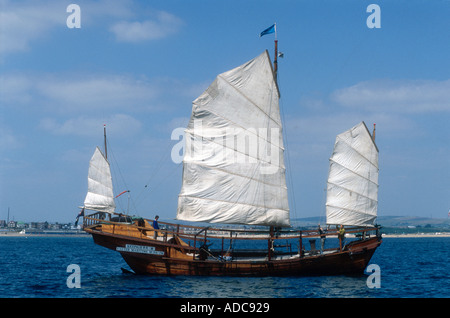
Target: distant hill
<point>405,221</point>
<point>386,222</point>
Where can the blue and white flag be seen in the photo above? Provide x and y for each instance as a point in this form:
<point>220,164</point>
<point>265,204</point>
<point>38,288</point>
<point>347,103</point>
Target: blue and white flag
<point>269,30</point>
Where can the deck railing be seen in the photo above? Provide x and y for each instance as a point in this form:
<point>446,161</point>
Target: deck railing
<point>203,234</point>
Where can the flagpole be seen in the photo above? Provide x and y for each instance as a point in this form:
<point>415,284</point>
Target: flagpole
<point>275,61</point>
<point>104,136</point>
<point>273,29</point>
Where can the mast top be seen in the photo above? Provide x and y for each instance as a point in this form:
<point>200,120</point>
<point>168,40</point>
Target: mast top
<point>269,30</point>
<point>373,133</point>
<point>104,135</point>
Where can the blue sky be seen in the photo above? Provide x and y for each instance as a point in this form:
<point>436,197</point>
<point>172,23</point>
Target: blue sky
<point>136,66</point>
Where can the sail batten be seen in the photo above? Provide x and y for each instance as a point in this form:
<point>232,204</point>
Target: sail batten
<point>233,166</point>
<point>352,186</point>
<point>369,160</point>
<point>356,174</point>
<point>364,194</point>
<point>243,176</point>
<point>242,204</point>
<point>196,132</point>
<point>249,156</point>
<point>100,189</point>
<point>256,105</point>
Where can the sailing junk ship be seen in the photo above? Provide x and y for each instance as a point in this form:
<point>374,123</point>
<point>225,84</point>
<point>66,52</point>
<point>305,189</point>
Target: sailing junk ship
<point>234,173</point>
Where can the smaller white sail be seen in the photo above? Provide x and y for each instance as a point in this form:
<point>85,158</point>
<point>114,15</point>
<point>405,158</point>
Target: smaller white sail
<point>100,190</point>
<point>352,187</point>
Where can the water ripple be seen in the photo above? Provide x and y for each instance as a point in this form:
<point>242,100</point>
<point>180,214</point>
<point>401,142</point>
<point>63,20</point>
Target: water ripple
<point>36,267</point>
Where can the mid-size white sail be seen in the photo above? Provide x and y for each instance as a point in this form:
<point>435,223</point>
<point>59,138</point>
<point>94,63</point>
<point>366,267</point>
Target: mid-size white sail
<point>100,190</point>
<point>352,188</point>
<point>233,166</point>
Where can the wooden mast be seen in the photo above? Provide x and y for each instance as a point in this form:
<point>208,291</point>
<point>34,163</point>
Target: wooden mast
<point>373,133</point>
<point>275,71</point>
<point>275,61</point>
<point>104,135</point>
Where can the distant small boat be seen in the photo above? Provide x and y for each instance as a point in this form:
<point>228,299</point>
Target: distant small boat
<point>230,183</point>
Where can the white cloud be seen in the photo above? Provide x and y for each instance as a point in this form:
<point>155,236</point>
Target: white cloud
<point>322,129</point>
<point>312,135</point>
<point>118,124</point>
<point>7,138</point>
<point>397,96</point>
<point>64,94</point>
<point>97,92</point>
<point>164,24</point>
<point>24,23</point>
<point>16,89</point>
<point>67,93</point>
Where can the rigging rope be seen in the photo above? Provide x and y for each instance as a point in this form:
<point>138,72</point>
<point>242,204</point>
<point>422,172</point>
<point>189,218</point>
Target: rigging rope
<point>115,166</point>
<point>287,156</point>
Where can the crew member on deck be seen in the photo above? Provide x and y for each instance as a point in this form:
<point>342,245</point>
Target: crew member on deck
<point>341,235</point>
<point>322,239</point>
<point>156,226</point>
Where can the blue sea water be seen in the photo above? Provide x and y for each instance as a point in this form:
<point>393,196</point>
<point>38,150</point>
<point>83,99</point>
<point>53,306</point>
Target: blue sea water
<point>33,267</point>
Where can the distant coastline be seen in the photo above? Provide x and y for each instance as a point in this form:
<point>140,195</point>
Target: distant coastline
<point>82,234</point>
<point>417,235</point>
<point>44,234</point>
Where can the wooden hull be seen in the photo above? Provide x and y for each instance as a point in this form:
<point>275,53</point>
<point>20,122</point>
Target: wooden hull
<point>162,258</point>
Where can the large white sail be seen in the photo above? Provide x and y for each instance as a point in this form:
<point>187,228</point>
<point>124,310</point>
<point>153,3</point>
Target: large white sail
<point>100,190</point>
<point>352,189</point>
<point>233,166</point>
